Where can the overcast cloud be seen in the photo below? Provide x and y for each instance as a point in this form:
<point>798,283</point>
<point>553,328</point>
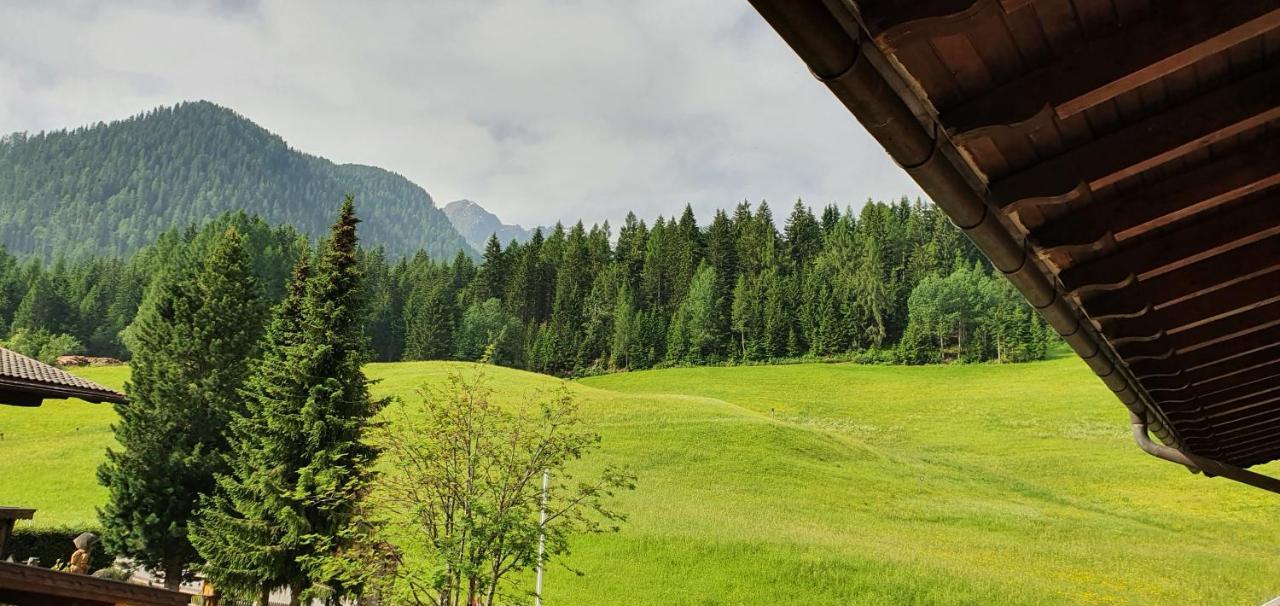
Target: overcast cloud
<point>540,110</point>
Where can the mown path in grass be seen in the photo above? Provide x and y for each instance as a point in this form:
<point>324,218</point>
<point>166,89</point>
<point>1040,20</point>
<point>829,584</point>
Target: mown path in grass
<point>833,484</point>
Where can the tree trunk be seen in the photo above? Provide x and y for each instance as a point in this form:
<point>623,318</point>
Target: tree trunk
<point>173,575</point>
<point>264,598</point>
<point>295,594</point>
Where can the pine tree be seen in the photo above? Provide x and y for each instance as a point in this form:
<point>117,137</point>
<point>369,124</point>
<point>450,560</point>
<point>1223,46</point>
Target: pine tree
<point>686,253</point>
<point>42,308</point>
<point>486,329</point>
<point>777,314</point>
<point>253,510</point>
<point>598,322</point>
<point>633,239</point>
<point>620,346</point>
<point>194,345</point>
<point>529,294</point>
<point>747,316</point>
<point>722,257</point>
<point>429,321</point>
<point>309,410</point>
<point>694,335</point>
<point>384,323</point>
<point>830,216</point>
<point>655,280</point>
<point>803,237</point>
<point>492,279</point>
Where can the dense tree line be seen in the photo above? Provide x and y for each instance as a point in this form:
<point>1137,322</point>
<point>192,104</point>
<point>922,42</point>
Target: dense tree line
<point>85,306</point>
<point>111,189</point>
<point>891,282</point>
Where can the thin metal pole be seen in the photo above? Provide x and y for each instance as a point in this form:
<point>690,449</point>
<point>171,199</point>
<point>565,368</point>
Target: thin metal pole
<point>542,539</point>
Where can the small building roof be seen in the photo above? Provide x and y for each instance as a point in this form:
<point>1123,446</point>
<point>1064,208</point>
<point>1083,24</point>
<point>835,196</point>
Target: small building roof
<point>20,584</point>
<point>28,382</point>
<point>16,513</point>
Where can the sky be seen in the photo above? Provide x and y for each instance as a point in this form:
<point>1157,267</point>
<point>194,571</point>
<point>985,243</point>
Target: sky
<point>539,110</point>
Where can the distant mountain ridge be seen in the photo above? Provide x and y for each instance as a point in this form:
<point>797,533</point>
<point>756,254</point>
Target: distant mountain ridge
<point>112,188</point>
<point>476,224</point>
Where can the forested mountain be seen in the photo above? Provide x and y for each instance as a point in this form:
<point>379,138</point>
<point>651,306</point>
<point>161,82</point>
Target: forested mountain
<point>476,224</point>
<point>110,189</point>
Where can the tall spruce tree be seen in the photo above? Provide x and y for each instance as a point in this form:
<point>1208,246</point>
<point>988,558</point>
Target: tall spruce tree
<point>694,330</point>
<point>42,307</point>
<point>494,273</point>
<point>194,344</point>
<point>803,237</point>
<point>722,256</point>
<point>240,525</point>
<point>429,320</point>
<point>301,463</point>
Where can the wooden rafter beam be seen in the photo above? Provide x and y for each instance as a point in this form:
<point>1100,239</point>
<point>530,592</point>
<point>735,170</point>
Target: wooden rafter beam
<point>1207,119</point>
<point>1214,382</point>
<point>1202,335</point>
<point>1213,331</point>
<point>1228,406</point>
<point>1243,443</point>
<point>1229,446</point>
<point>1260,410</point>
<point>1214,372</point>
<point>1190,242</point>
<point>1256,258</point>
<point>1255,456</point>
<point>892,23</point>
<point>1220,352</point>
<point>1256,459</point>
<point>1178,34</point>
<point>1267,385</point>
<point>1205,394</point>
<point>1264,414</point>
<point>1192,418</point>
<point>1263,454</point>
<point>1239,297</point>
<point>1230,178</point>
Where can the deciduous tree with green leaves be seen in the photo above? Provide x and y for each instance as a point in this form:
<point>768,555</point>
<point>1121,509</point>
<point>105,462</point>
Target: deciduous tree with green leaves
<point>463,484</point>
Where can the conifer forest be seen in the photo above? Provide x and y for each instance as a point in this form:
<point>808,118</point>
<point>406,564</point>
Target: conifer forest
<point>888,283</point>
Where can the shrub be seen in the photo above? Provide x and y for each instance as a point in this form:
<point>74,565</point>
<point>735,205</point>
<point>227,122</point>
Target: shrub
<point>42,345</point>
<point>53,545</point>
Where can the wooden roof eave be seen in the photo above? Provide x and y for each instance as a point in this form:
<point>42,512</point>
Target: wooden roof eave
<point>77,588</point>
<point>829,37</point>
<point>43,391</point>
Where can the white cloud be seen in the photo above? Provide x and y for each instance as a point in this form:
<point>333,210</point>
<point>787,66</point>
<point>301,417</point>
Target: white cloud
<point>541,110</point>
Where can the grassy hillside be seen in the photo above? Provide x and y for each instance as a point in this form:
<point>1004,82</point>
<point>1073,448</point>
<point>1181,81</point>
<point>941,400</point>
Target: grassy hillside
<point>834,484</point>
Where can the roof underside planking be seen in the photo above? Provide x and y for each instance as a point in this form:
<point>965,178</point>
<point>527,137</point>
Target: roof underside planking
<point>1130,147</point>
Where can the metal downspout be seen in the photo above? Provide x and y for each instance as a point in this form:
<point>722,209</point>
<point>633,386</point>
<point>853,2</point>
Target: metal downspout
<point>1209,467</point>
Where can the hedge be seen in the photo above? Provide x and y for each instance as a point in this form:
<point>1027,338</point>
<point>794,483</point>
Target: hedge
<point>54,544</point>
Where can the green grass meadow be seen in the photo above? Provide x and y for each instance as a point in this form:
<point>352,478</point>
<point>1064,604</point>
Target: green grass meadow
<point>831,484</point>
